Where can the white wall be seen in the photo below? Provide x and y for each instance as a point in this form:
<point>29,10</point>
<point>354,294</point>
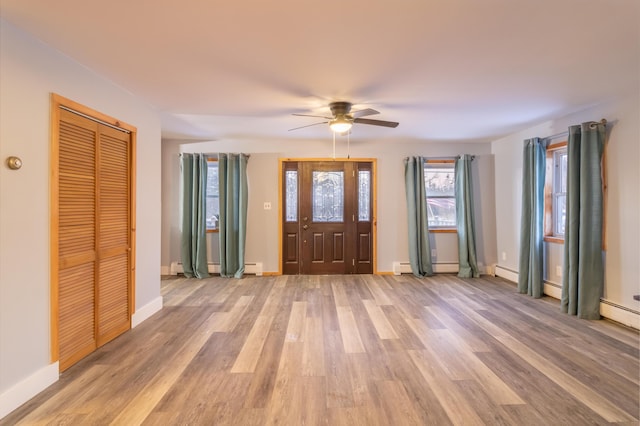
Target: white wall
<point>622,267</point>
<point>29,72</point>
<point>262,170</point>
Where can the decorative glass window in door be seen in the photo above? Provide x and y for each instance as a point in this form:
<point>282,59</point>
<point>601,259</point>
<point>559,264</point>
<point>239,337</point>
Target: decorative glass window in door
<point>291,185</point>
<point>364,198</point>
<point>328,196</point>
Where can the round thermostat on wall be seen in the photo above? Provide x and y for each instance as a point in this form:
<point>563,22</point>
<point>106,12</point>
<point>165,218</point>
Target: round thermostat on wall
<point>14,163</point>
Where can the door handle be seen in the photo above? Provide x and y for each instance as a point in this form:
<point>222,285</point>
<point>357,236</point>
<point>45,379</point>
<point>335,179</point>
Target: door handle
<point>305,226</point>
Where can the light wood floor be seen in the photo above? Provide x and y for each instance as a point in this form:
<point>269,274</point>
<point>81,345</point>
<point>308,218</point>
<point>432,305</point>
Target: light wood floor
<point>351,350</point>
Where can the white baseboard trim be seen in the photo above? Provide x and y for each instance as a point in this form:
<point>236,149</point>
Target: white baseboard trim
<point>608,309</point>
<point>23,391</point>
<point>146,311</point>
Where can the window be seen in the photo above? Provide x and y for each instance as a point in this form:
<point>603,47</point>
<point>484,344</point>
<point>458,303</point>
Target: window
<point>439,182</point>
<point>291,189</point>
<point>555,192</point>
<point>212,196</point>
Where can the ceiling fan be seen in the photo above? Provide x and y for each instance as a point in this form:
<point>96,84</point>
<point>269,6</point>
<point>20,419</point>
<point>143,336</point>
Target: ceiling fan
<point>343,118</point>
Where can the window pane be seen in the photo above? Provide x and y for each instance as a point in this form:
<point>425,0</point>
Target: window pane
<point>441,212</point>
<point>364,194</point>
<point>560,211</point>
<point>328,190</point>
<point>212,178</point>
<point>439,181</point>
<point>559,189</point>
<point>291,208</point>
<point>563,170</point>
<point>212,200</point>
<point>213,212</point>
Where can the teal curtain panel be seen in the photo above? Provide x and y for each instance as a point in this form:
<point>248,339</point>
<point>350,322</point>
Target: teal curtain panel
<point>530,275</point>
<point>233,188</point>
<point>583,276</point>
<point>419,248</point>
<point>194,232</point>
<point>468,264</point>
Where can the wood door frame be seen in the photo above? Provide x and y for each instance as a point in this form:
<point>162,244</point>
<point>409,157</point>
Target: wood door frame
<point>374,201</point>
<point>58,102</point>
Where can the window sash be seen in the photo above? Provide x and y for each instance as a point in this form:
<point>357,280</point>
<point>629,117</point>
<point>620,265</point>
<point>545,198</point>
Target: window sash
<point>439,176</point>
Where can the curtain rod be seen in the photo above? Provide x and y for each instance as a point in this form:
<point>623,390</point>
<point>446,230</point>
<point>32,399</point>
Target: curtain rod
<point>473,157</point>
<point>213,154</point>
<point>592,125</point>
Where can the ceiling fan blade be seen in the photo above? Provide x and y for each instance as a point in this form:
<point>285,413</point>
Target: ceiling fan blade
<point>308,125</point>
<point>364,112</point>
<point>316,116</point>
<point>376,122</point>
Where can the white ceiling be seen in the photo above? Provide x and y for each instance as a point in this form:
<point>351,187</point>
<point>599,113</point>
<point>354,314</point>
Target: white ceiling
<point>471,70</point>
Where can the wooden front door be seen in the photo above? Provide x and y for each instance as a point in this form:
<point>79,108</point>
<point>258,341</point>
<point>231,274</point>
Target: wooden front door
<point>327,217</point>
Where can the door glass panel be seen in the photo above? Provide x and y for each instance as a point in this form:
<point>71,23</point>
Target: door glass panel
<point>328,196</point>
<point>291,182</point>
<point>364,191</point>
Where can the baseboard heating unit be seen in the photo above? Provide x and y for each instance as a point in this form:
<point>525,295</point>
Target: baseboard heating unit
<point>438,268</point>
<point>254,268</point>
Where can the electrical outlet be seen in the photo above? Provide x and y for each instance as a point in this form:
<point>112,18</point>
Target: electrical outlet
<point>558,271</point>
<point>267,205</point>
<point>504,255</point>
<point>434,253</point>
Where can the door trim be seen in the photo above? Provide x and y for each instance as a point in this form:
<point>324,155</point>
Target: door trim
<point>57,103</point>
<point>374,200</point>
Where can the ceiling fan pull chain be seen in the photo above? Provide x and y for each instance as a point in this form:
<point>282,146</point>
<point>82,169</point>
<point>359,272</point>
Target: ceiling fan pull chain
<point>348,145</point>
<point>334,145</point>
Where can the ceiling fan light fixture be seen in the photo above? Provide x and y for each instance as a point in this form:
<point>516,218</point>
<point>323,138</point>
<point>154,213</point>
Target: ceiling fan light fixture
<point>340,125</point>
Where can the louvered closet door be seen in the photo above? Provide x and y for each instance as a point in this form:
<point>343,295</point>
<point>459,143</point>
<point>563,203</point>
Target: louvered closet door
<point>113,234</point>
<point>77,238</point>
<point>93,236</point>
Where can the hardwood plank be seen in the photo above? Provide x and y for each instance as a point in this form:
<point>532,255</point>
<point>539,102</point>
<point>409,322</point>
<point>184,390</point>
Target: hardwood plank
<point>313,348</point>
<point>227,321</point>
<point>380,322</point>
<point>340,294</point>
<point>376,287</point>
<point>452,400</point>
<point>296,325</point>
<point>252,349</point>
<point>349,330</point>
<point>396,403</point>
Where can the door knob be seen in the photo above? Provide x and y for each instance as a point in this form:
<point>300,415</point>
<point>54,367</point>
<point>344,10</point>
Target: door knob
<point>305,226</point>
